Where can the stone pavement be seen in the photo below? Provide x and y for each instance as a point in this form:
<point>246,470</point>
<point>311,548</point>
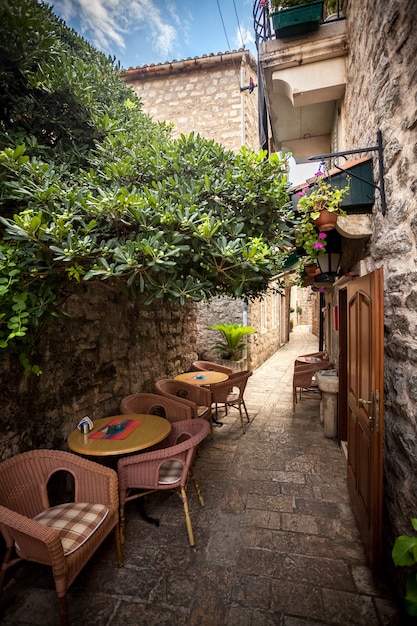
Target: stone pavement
<point>276,543</point>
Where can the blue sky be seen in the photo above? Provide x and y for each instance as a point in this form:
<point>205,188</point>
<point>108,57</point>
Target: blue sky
<point>141,32</point>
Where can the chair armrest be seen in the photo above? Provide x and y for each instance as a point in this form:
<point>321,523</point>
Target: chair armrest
<point>33,541</point>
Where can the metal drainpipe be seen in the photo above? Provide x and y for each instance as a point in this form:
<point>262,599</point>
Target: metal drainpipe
<point>244,313</point>
<point>321,322</point>
<point>242,101</point>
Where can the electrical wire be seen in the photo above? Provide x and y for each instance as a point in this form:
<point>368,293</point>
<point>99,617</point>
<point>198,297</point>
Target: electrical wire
<point>224,27</point>
<point>227,39</point>
<point>238,25</point>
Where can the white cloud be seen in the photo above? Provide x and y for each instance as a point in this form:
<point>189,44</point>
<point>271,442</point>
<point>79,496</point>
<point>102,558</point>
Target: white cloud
<point>245,38</point>
<point>106,23</point>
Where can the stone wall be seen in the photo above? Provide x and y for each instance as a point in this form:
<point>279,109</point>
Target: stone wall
<point>269,319</point>
<point>203,95</point>
<point>219,311</point>
<point>382,94</point>
<point>104,349</point>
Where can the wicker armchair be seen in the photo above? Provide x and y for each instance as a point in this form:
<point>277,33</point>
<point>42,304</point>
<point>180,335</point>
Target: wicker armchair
<point>30,527</point>
<point>303,379</point>
<point>211,367</point>
<point>230,393</point>
<point>166,468</point>
<point>198,399</point>
<point>155,404</point>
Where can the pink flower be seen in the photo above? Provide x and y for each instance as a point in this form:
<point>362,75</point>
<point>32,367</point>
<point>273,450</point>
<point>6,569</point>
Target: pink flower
<point>319,173</point>
<point>318,245</point>
<point>302,191</point>
<point>262,4</point>
<point>322,235</point>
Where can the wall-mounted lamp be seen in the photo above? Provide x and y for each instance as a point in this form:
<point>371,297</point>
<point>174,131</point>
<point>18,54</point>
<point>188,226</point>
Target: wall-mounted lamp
<point>329,267</point>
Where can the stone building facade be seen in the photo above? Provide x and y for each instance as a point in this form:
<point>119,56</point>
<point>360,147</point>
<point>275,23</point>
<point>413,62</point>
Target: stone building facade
<point>381,93</point>
<point>203,95</point>
<point>348,80</point>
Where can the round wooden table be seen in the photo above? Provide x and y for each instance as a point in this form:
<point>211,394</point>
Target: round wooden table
<point>310,360</point>
<point>202,378</point>
<point>150,430</point>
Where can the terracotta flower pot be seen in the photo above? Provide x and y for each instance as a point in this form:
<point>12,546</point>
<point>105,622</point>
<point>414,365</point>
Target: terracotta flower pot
<point>311,269</point>
<point>326,220</point>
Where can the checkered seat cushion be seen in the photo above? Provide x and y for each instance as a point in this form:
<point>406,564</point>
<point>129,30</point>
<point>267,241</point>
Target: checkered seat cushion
<point>75,522</point>
<point>170,473</point>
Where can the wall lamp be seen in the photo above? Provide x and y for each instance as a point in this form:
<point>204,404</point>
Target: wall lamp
<point>329,266</point>
<point>378,149</point>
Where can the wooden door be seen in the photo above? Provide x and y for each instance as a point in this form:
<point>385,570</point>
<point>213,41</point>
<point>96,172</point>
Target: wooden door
<point>365,320</point>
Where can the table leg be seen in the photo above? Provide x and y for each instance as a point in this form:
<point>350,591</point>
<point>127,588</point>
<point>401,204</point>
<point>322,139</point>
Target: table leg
<point>141,510</point>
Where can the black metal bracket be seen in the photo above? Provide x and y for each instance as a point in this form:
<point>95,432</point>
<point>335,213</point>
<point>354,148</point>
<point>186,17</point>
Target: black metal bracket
<point>250,87</point>
<point>378,149</point>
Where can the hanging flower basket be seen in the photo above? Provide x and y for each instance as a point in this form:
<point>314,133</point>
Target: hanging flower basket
<point>318,208</point>
<point>311,269</point>
<point>326,220</point>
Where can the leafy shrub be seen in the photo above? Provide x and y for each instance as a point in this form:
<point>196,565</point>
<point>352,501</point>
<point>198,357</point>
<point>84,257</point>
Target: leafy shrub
<point>91,189</point>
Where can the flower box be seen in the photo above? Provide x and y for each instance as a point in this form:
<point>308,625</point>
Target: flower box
<point>361,195</point>
<point>298,20</point>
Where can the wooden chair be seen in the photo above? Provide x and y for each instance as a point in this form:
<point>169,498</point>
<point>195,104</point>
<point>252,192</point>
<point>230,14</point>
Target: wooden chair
<point>165,468</point>
<point>198,399</point>
<point>210,366</point>
<point>155,404</point>
<point>64,536</point>
<point>230,393</point>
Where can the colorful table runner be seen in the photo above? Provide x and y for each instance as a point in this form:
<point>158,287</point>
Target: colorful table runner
<point>117,428</point>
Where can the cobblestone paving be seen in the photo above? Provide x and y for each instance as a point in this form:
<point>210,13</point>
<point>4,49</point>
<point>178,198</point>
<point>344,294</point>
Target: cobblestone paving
<point>276,543</point>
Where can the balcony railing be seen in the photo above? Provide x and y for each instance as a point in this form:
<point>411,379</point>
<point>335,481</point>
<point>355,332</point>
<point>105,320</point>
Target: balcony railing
<point>262,20</point>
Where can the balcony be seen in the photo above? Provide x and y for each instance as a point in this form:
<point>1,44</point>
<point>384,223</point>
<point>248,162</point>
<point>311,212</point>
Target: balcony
<point>304,78</point>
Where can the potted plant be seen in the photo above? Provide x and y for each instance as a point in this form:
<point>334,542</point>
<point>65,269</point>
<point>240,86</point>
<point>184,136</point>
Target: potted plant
<point>404,553</point>
<point>318,209</point>
<point>231,345</point>
<point>296,17</point>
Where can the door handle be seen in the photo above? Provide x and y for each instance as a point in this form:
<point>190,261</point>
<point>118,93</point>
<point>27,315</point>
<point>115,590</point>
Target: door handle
<point>370,403</point>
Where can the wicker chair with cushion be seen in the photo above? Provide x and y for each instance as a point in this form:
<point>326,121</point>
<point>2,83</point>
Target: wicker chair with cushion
<point>198,399</point>
<point>211,367</point>
<point>155,404</point>
<point>230,393</point>
<point>166,468</point>
<point>64,536</point>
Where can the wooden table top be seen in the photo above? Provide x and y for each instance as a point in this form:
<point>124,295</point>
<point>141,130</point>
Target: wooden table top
<point>202,377</point>
<point>152,430</point>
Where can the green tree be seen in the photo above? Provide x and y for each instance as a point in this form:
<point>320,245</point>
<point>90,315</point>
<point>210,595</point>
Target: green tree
<point>92,189</point>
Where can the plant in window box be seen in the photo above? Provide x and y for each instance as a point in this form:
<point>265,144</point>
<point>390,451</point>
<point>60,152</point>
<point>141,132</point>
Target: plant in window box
<point>294,17</point>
